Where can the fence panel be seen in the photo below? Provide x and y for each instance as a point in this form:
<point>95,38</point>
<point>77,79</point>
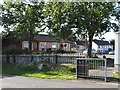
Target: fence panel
<point>51,58</point>
<point>91,68</point>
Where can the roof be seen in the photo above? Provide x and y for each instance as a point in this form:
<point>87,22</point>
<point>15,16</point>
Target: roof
<point>44,38</point>
<point>98,42</point>
<point>101,42</point>
<point>47,38</point>
<point>81,43</point>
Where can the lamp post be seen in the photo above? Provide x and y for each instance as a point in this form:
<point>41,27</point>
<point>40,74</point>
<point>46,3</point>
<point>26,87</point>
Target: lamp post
<point>117,43</point>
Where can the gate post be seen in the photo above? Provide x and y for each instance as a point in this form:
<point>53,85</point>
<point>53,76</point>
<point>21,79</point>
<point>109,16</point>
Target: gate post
<point>117,42</point>
<point>105,69</point>
<point>56,57</point>
<point>117,52</point>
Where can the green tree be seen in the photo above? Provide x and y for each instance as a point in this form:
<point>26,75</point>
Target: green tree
<point>112,42</point>
<point>90,18</point>
<point>26,19</point>
<point>93,19</point>
<point>57,19</point>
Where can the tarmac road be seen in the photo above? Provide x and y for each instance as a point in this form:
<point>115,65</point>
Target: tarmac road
<point>29,82</point>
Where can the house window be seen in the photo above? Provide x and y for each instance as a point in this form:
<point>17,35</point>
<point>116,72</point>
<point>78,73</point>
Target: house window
<point>25,44</point>
<point>54,46</point>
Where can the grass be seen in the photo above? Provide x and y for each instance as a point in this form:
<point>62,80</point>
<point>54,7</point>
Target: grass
<point>51,71</point>
<point>116,75</point>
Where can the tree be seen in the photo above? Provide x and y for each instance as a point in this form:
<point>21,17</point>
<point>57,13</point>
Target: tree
<point>93,18</point>
<point>23,18</point>
<point>90,18</point>
<point>112,42</point>
<point>57,19</point>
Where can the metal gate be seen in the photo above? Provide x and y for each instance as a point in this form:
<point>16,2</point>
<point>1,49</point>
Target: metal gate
<point>91,68</point>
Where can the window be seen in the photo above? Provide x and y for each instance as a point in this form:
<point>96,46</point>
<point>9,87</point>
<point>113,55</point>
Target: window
<point>25,44</point>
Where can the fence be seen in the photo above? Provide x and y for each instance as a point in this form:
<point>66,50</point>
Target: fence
<point>51,58</point>
<point>91,68</point>
<point>86,67</point>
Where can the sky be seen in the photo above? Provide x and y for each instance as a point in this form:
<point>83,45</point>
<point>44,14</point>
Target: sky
<point>108,36</point>
<point>1,1</point>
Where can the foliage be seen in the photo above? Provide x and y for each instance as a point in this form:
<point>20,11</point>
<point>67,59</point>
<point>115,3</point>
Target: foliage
<point>112,42</point>
<point>23,18</point>
<point>57,23</point>
<point>86,19</point>
<point>64,51</point>
<point>93,19</point>
<point>63,19</point>
<point>13,50</point>
<point>52,71</point>
<point>116,75</point>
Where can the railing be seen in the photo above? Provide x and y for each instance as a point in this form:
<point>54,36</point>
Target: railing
<point>91,68</point>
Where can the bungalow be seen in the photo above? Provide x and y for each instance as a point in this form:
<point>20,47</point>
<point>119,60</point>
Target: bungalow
<point>44,42</point>
<point>81,46</point>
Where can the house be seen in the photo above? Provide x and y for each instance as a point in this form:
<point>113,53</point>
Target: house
<point>98,45</point>
<point>80,46</point>
<point>42,42</point>
<point>101,45</point>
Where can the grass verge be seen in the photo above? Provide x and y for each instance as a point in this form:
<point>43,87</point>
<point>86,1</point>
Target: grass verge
<point>52,71</point>
<point>116,75</point>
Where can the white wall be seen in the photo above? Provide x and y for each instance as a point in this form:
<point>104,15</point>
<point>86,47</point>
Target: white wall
<point>94,46</point>
<point>117,50</point>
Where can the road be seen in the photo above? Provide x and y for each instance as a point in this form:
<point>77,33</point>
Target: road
<point>29,82</point>
<point>107,56</point>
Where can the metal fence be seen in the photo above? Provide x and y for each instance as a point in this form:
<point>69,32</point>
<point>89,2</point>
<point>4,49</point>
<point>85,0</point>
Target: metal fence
<point>91,68</point>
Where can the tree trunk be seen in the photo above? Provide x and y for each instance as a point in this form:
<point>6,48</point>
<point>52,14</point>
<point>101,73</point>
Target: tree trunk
<point>90,46</point>
<point>30,40</point>
<point>30,46</point>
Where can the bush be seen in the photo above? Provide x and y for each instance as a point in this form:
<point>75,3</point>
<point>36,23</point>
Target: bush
<point>13,50</point>
<point>63,51</point>
<point>27,67</point>
<point>42,52</point>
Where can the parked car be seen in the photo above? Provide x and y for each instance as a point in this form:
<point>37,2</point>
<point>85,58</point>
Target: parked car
<point>93,51</point>
<point>111,52</point>
<point>102,51</point>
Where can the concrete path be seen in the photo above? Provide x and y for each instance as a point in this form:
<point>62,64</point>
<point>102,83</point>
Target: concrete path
<point>29,82</point>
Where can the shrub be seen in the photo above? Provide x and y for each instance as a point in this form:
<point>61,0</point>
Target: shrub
<point>25,67</point>
<point>63,51</point>
<point>13,50</point>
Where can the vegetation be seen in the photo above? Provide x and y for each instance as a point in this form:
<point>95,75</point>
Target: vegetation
<point>116,75</point>
<point>23,18</point>
<point>13,50</point>
<point>63,51</point>
<point>58,20</point>
<point>51,71</point>
<point>112,42</point>
<point>65,20</point>
<point>88,19</point>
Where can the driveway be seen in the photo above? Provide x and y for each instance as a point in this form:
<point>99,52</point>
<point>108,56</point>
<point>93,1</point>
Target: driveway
<point>29,82</point>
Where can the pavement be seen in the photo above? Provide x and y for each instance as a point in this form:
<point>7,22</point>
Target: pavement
<point>29,82</point>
